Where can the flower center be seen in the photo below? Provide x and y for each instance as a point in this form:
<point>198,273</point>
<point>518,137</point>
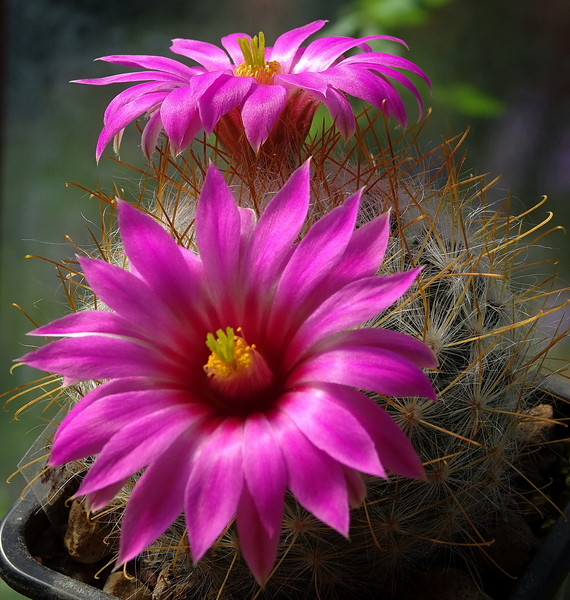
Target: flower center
<point>230,354</point>
<point>237,372</point>
<point>254,64</point>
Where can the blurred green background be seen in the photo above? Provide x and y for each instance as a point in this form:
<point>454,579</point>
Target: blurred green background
<point>500,66</point>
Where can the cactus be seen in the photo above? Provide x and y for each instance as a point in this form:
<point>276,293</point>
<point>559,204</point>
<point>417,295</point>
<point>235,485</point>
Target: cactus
<point>477,305</point>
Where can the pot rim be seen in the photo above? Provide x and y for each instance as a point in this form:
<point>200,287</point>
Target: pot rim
<point>23,573</point>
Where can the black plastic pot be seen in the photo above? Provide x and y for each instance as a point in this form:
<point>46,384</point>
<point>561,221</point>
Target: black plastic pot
<point>22,572</point>
<point>549,567</point>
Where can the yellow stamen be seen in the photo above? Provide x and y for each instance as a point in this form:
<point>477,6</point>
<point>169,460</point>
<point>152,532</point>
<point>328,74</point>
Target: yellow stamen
<point>231,355</point>
<point>254,64</point>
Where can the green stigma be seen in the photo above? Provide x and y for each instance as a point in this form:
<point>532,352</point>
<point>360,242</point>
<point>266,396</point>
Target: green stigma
<point>253,50</point>
<point>224,346</point>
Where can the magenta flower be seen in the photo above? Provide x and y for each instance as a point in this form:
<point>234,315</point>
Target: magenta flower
<point>255,86</point>
<point>233,373</point>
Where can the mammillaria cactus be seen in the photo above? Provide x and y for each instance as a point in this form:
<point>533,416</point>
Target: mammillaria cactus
<point>335,337</point>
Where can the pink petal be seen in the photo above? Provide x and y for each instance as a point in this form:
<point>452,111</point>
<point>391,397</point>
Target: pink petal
<point>341,112</point>
<point>230,43</point>
<point>365,251</point>
<point>215,485</point>
<point>180,118</point>
<point>89,322</point>
<point>369,87</point>
<point>395,450</point>
<point>124,115</point>
<point>223,95</point>
<point>134,94</point>
<point>258,547</point>
<point>354,304</point>
<point>332,429</point>
<point>378,60</point>
<point>407,346</point>
<point>97,357</point>
<point>260,111</point>
<point>366,368</point>
<point>286,45</point>
<point>58,455</point>
<point>156,63</point>
<point>322,53</point>
<point>313,82</point>
<point>157,498</point>
<point>279,226</point>
<point>265,472</point>
<point>407,83</point>
<point>129,296</point>
<point>218,234</point>
<point>208,55</point>
<point>88,432</point>
<point>247,224</point>
<point>99,499</point>
<point>159,261</point>
<point>137,76</point>
<point>138,444</point>
<point>316,480</point>
<point>311,262</point>
<point>150,135</point>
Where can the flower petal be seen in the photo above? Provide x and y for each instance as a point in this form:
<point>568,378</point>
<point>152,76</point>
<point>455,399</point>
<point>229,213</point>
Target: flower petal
<point>159,261</point>
<point>266,479</point>
<point>395,450</point>
<point>87,433</point>
<point>311,262</point>
<point>316,480</point>
<point>60,452</point>
<point>99,499</point>
<point>157,499</point>
<point>138,444</point>
<point>366,368</point>
<point>137,76</point>
<point>122,116</point>
<point>151,131</point>
<point>129,296</point>
<point>209,56</point>
<point>215,485</point>
<point>370,88</point>
<point>180,116</point>
<point>260,111</point>
<point>225,93</point>
<point>313,82</point>
<point>259,548</point>
<point>331,429</point>
<point>400,343</point>
<point>98,357</point>
<point>279,226</point>
<point>379,60</point>
<point>322,53</point>
<point>341,111</point>
<point>230,43</point>
<point>156,63</point>
<point>354,304</point>
<point>286,45</point>
<point>218,234</point>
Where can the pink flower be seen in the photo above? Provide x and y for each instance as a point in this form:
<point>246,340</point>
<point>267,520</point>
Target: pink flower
<point>233,373</point>
<point>260,84</point>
